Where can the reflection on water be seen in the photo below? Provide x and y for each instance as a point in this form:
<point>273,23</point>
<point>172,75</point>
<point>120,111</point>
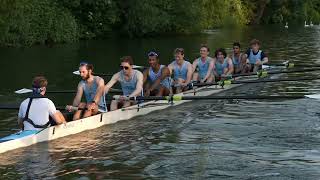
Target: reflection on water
<point>231,139</point>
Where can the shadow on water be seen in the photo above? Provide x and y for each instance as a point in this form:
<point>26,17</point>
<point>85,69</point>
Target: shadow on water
<point>203,139</point>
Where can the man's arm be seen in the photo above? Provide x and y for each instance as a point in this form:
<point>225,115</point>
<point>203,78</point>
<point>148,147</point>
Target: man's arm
<point>20,123</point>
<point>55,114</point>
<point>170,67</point>
<point>189,75</point>
<point>145,75</point>
<point>247,54</point>
<point>264,58</point>
<point>58,117</point>
<point>20,117</point>
<point>165,72</point>
<point>100,91</point>
<point>77,98</point>
<point>114,79</point>
<point>139,85</point>
<point>215,73</point>
<point>230,67</point>
<point>209,70</point>
<point>194,65</point>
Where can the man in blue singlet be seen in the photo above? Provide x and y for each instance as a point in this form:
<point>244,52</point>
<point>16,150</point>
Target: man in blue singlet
<point>202,66</point>
<point>239,60</point>
<point>223,65</point>
<point>92,87</point>
<point>256,57</point>
<point>181,70</point>
<point>131,81</point>
<point>156,78</point>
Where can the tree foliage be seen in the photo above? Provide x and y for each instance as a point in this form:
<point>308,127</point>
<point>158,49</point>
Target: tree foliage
<point>28,22</point>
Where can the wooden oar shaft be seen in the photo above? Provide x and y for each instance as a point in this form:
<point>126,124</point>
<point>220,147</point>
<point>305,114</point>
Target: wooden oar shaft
<point>102,74</point>
<point>295,65</point>
<point>294,71</point>
<point>279,72</point>
<point>16,107</point>
<point>180,98</point>
<point>27,91</point>
<point>73,91</point>
<point>256,81</point>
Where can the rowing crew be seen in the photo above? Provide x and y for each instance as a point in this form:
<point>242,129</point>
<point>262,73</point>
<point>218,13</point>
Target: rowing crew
<point>155,80</point>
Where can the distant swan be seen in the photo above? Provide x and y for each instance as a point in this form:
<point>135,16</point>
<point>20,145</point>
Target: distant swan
<point>305,24</point>
<point>286,26</point>
<point>311,24</point>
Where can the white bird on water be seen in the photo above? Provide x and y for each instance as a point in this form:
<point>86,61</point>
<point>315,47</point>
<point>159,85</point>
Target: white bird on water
<point>305,24</point>
<point>286,26</point>
<point>311,24</point>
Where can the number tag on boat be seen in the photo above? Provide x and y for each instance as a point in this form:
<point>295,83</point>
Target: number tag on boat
<point>290,65</point>
<point>224,82</point>
<point>262,74</point>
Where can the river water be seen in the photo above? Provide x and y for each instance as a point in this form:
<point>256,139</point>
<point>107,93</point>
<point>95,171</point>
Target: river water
<point>264,139</point>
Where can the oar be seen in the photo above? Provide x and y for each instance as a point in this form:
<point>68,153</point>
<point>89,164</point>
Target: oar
<point>16,107</point>
<point>286,64</point>
<point>181,98</point>
<point>96,74</point>
<point>102,74</point>
<point>25,90</point>
<point>291,65</point>
<point>228,82</point>
<point>264,73</point>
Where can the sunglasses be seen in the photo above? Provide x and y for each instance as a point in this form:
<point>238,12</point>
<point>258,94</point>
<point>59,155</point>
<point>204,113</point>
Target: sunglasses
<point>83,63</point>
<point>152,53</point>
<point>124,67</point>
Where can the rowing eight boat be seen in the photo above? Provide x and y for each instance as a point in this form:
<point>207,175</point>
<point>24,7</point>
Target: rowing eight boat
<point>27,138</point>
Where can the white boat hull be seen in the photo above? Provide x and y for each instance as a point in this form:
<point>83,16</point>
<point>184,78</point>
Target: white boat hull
<point>96,121</point>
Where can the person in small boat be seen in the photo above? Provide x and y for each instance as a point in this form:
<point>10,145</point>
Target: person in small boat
<point>202,66</point>
<point>256,57</point>
<point>239,60</point>
<point>35,111</point>
<point>156,78</point>
<point>92,87</point>
<point>131,81</point>
<point>181,70</point>
<point>223,66</point>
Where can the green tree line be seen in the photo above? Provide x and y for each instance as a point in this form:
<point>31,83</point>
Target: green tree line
<point>29,22</point>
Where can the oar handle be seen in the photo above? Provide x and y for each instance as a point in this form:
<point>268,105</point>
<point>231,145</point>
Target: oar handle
<point>73,108</point>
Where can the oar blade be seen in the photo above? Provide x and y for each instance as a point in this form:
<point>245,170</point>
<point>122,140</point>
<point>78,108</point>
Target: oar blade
<point>76,72</point>
<point>137,67</point>
<point>313,96</point>
<point>23,91</point>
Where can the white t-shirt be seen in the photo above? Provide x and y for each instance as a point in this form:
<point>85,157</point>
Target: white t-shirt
<point>39,112</point>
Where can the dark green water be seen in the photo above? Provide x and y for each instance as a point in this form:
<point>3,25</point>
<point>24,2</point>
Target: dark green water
<point>203,139</point>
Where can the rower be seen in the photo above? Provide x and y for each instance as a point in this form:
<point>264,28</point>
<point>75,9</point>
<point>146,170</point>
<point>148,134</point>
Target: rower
<point>181,70</point>
<point>34,111</point>
<point>223,66</point>
<point>239,60</point>
<point>256,57</point>
<point>131,81</point>
<point>92,87</point>
<point>202,66</point>
<point>156,78</point>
